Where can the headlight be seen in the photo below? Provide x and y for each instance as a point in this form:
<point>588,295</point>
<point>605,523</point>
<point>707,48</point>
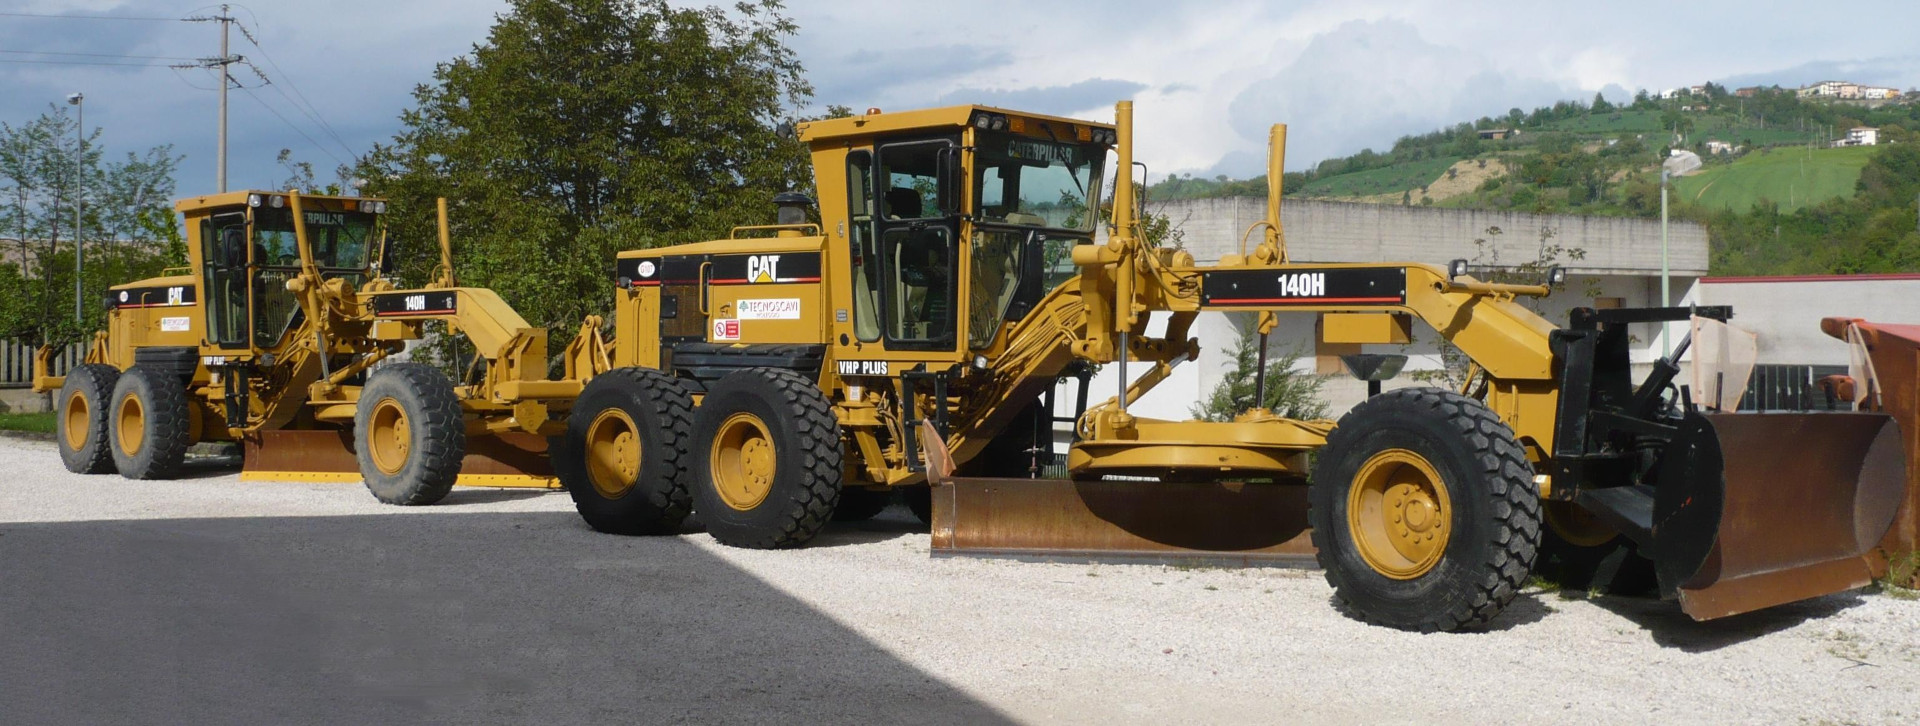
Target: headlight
<point>277,201</point>
<point>253,200</point>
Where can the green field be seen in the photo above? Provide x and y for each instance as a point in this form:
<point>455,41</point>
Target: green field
<point>1792,177</point>
<point>1396,178</point>
<point>36,422</point>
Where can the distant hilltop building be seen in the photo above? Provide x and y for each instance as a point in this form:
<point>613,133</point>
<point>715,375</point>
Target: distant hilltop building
<point>1859,136</point>
<point>1847,91</point>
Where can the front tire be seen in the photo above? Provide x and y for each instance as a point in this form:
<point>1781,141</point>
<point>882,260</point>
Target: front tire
<point>150,428</point>
<point>624,456</point>
<point>766,459</point>
<point>1424,511</point>
<point>409,434</point>
<point>83,419</point>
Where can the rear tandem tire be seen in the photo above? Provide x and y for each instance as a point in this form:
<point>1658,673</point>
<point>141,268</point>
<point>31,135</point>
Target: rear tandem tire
<point>1424,511</point>
<point>150,428</point>
<point>81,427</point>
<point>409,434</point>
<point>766,459</point>
<point>624,456</point>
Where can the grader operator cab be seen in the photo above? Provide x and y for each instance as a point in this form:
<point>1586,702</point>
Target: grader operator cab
<point>915,336</point>
<point>279,336</point>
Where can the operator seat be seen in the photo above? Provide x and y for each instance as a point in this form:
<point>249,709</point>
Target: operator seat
<point>922,261</point>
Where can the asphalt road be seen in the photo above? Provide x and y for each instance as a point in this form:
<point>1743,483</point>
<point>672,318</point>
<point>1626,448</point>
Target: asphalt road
<point>208,600</point>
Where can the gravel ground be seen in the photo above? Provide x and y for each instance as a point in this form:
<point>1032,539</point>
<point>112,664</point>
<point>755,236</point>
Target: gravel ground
<point>210,600</point>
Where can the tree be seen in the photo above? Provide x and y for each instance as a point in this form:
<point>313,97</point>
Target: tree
<point>581,128</point>
<point>1289,394</point>
<point>1600,104</point>
<point>125,221</point>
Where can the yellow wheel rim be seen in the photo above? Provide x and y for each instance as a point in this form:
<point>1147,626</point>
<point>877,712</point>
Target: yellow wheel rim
<point>1578,526</point>
<point>74,419</point>
<point>742,462</point>
<point>613,453</point>
<point>389,438</point>
<point>132,423</point>
<point>1399,514</point>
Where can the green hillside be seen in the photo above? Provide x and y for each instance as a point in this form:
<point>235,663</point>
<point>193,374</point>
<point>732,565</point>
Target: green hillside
<point>1390,179</point>
<point>1791,177</point>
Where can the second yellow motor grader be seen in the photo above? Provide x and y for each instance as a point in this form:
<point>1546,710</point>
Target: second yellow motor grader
<point>796,373</point>
<point>281,335</point>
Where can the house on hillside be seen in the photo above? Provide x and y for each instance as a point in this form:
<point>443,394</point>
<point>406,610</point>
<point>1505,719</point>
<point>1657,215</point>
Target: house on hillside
<point>1716,146</point>
<point>1859,136</point>
<point>1498,134</point>
<point>1748,92</point>
<point>1877,93</point>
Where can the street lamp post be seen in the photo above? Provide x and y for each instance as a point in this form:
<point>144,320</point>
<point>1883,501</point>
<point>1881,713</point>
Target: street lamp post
<point>80,135</point>
<point>1666,281</point>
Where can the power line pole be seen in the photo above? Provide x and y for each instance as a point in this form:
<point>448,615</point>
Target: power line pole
<point>225,59</point>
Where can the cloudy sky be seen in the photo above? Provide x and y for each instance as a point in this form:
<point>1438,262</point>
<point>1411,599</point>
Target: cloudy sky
<point>1208,77</point>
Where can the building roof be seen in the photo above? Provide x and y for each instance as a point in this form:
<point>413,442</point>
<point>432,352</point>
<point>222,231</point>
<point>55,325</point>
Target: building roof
<point>1811,278</point>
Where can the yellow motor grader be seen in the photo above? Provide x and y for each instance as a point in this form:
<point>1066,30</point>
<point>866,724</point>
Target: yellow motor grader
<point>282,335</point>
<point>915,337</point>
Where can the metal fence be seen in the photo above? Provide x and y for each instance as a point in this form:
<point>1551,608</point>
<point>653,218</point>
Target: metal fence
<point>1791,388</point>
<point>16,362</point>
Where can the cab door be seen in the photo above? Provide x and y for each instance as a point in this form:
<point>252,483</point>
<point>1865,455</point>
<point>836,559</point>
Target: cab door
<point>915,227</point>
<point>224,246</point>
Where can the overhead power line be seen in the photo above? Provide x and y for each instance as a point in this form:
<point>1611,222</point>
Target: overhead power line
<point>52,16</point>
<point>96,55</point>
<point>81,63</point>
<point>296,129</point>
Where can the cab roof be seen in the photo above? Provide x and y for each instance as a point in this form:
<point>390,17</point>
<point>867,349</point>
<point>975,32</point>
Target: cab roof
<point>239,198</point>
<point>931,118</point>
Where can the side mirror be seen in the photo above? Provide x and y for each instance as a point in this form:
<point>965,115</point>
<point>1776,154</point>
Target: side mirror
<point>1033,274</point>
<point>233,247</point>
<point>386,256</point>
<point>947,165</point>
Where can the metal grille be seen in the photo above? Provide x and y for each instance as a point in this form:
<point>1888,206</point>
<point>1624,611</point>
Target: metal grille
<point>1790,388</point>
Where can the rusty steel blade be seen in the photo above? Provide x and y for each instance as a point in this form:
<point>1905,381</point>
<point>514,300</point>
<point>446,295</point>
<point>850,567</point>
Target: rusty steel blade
<point>511,459</point>
<point>1131,521</point>
<point>1807,496</point>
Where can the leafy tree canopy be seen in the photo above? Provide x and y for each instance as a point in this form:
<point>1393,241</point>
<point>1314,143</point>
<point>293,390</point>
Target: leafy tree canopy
<point>582,128</point>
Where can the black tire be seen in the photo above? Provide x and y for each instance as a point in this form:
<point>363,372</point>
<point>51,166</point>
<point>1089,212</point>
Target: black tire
<point>802,484</point>
<point>860,505</point>
<point>149,424</point>
<point>1010,454</point>
<point>80,426</point>
<point>1589,560</point>
<point>417,399</point>
<point>1492,528</point>
<point>625,410</point>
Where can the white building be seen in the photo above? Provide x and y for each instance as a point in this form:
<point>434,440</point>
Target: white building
<point>1859,136</point>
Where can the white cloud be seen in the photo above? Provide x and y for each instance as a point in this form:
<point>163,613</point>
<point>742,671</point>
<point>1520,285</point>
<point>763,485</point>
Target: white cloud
<point>1208,77</point>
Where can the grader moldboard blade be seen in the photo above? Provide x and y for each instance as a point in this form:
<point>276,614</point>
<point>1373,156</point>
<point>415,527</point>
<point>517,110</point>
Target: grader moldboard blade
<point>1752,510</point>
<point>1116,521</point>
<point>323,455</point>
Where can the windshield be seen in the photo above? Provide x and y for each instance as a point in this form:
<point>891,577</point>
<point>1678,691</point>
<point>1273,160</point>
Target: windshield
<point>1036,182</point>
<point>340,239</point>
